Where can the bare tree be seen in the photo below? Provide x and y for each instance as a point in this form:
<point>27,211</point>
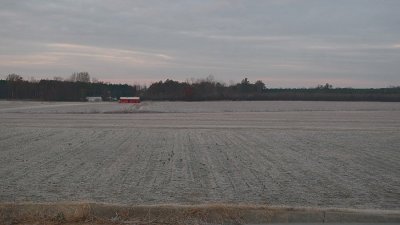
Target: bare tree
<point>14,77</point>
<point>80,77</point>
<point>83,77</point>
<point>72,78</point>
<point>326,86</point>
<point>95,80</point>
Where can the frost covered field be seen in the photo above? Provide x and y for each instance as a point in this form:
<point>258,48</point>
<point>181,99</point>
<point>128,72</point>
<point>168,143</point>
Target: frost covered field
<point>330,154</point>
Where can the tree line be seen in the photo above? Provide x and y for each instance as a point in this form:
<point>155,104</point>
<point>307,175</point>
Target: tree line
<point>204,89</point>
<point>80,85</point>
<point>209,89</point>
<point>76,88</point>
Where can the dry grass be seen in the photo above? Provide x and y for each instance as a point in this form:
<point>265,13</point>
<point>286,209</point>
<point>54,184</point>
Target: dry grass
<point>96,214</point>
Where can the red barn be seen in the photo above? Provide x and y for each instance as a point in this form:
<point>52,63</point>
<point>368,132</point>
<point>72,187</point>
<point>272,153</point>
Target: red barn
<point>129,100</point>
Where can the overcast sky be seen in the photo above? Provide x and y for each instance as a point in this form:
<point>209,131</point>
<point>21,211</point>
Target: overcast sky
<point>285,43</point>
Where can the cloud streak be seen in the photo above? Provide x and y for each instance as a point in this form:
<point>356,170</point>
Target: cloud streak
<point>118,55</point>
<point>61,53</point>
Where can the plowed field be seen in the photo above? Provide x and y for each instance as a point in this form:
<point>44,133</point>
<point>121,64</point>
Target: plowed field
<point>300,154</point>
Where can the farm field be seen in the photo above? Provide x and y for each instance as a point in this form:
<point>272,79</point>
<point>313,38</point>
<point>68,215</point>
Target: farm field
<point>312,154</point>
<point>191,107</point>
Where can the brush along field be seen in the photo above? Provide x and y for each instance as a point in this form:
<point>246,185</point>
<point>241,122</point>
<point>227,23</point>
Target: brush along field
<point>313,154</point>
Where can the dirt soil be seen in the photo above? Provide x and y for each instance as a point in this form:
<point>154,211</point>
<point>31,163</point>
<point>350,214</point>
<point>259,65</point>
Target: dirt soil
<point>324,154</point>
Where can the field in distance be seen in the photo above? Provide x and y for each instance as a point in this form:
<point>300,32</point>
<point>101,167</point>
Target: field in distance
<point>328,154</point>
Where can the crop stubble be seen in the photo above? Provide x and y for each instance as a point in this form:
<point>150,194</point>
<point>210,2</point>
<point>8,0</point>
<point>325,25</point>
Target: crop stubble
<point>334,158</point>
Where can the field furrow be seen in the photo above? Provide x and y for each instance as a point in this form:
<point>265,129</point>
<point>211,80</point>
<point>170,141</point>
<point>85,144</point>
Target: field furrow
<point>343,158</point>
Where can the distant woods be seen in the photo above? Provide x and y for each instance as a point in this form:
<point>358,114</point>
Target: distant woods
<point>204,89</point>
<point>75,88</point>
<point>80,85</point>
<point>209,89</point>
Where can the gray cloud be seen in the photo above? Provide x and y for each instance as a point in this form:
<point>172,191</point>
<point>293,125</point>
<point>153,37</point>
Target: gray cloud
<point>283,42</point>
